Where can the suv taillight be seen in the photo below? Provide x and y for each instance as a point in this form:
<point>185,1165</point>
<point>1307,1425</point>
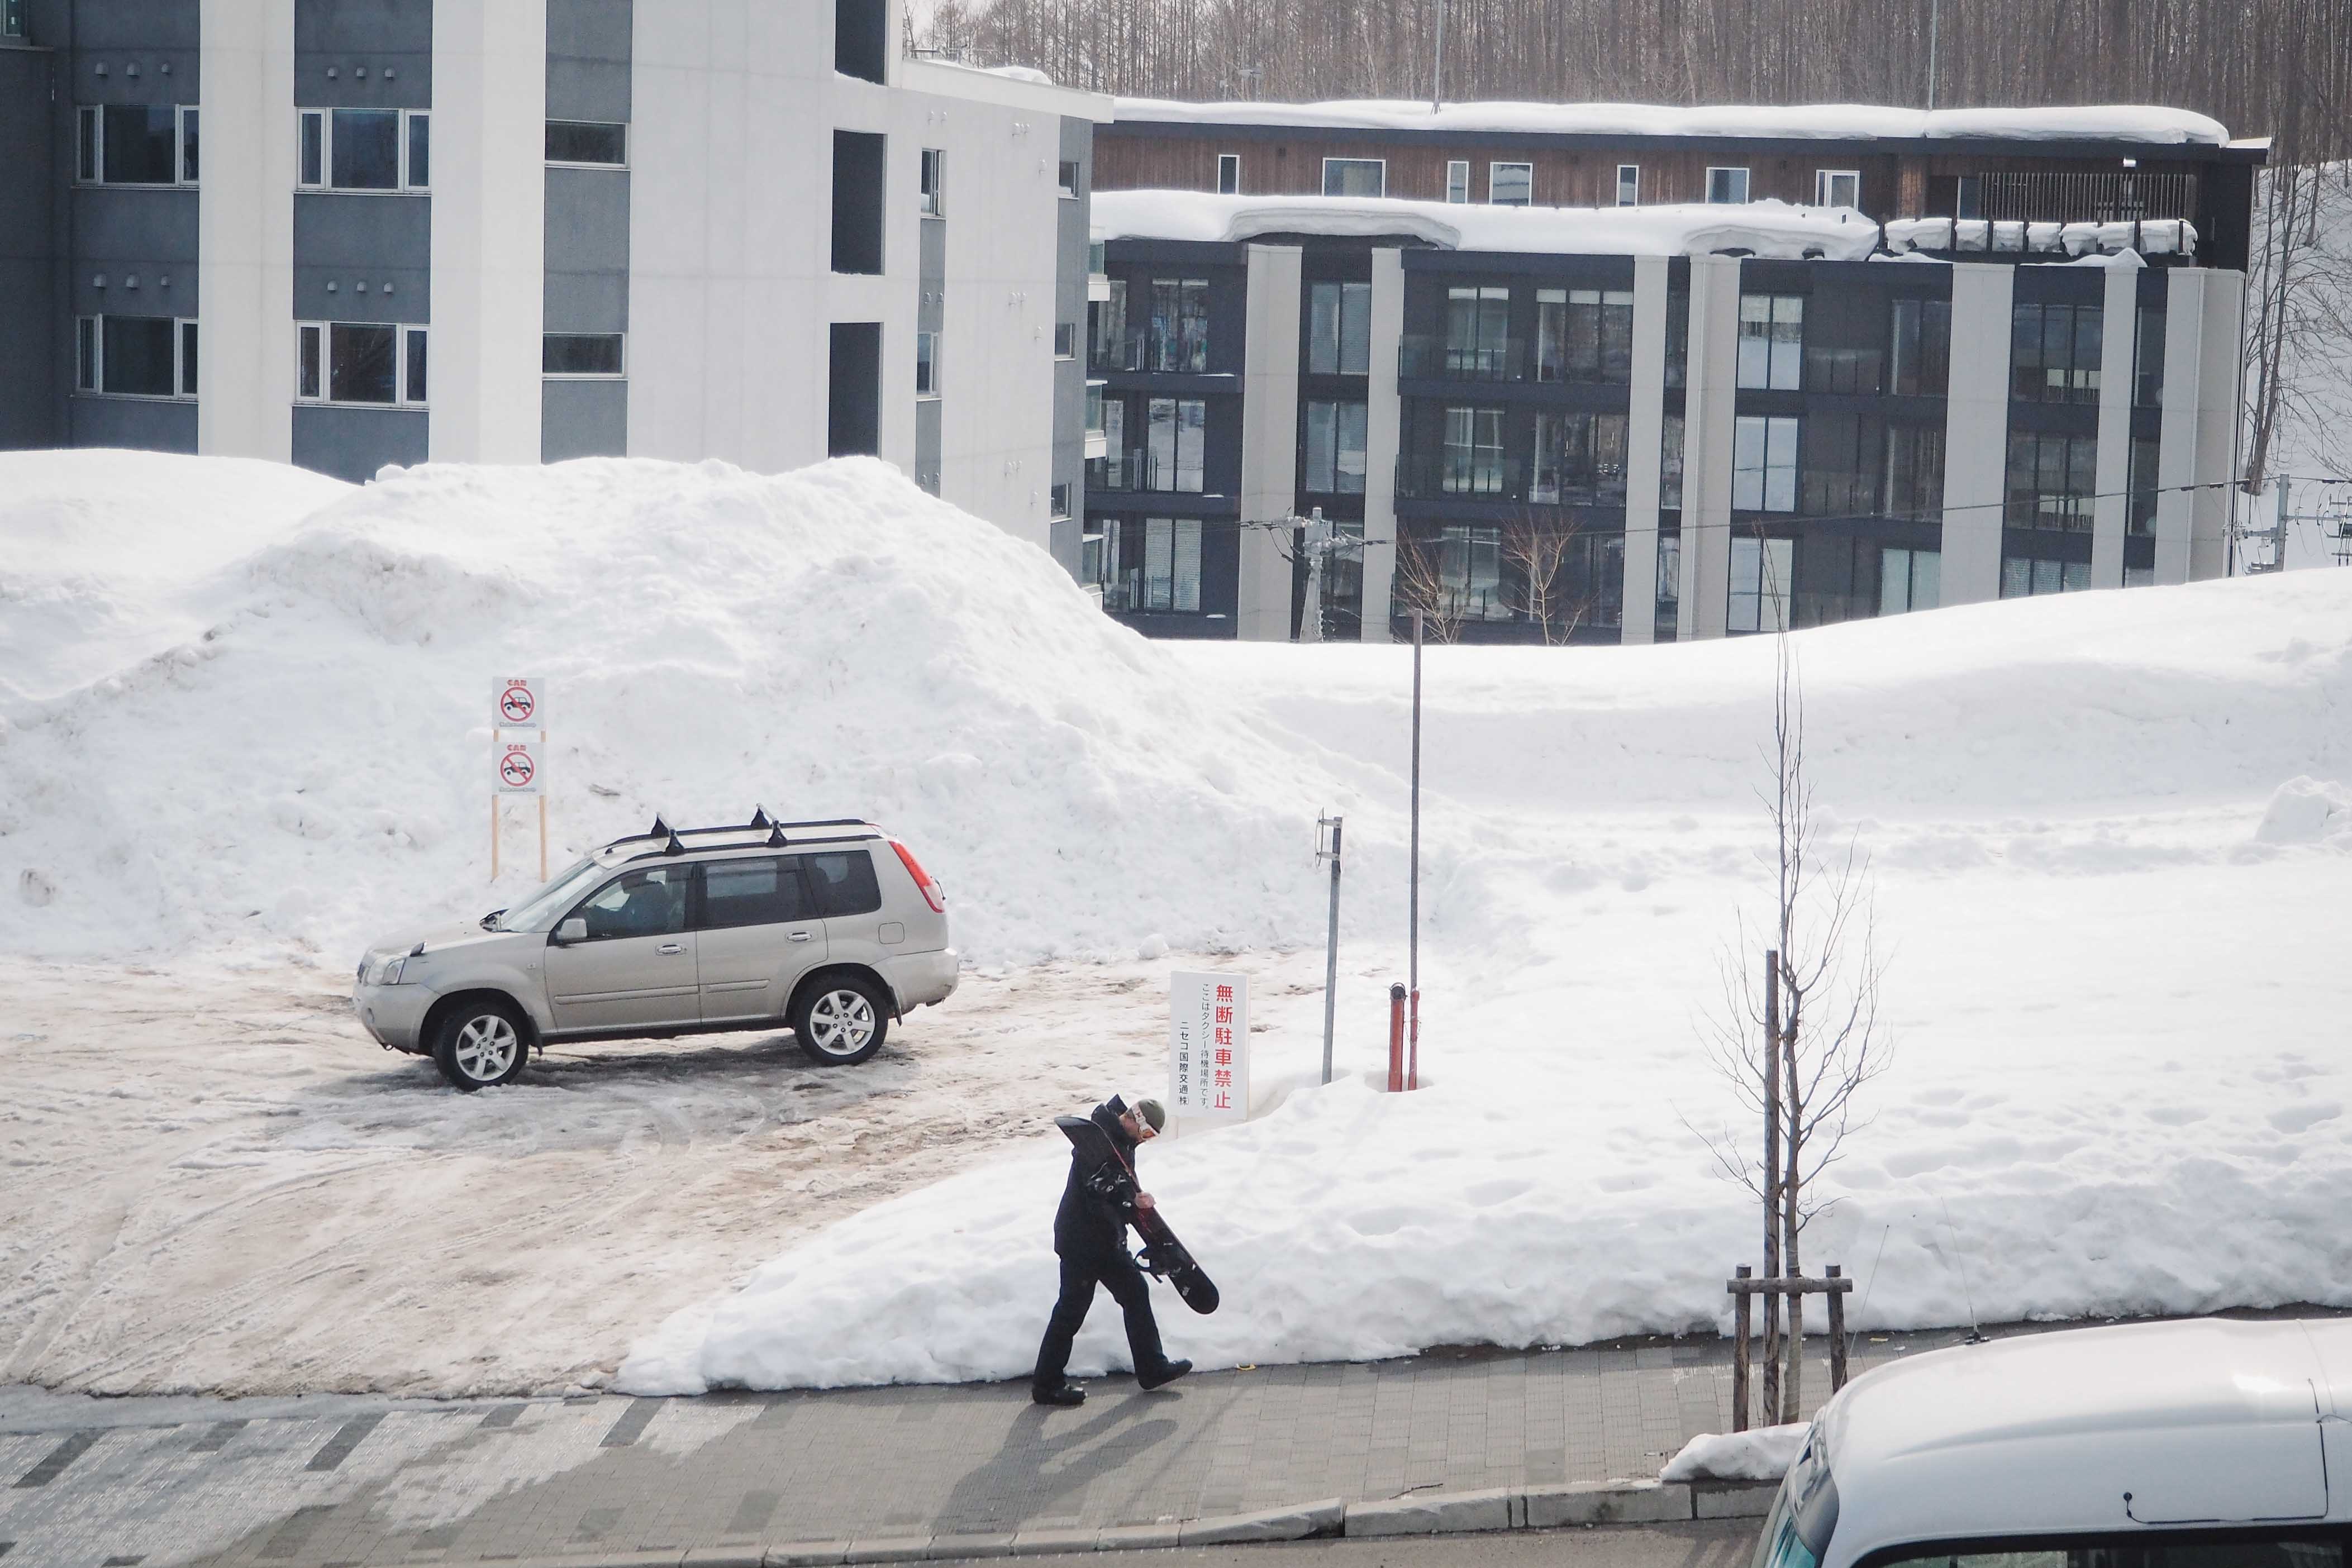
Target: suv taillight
<point>930,890</point>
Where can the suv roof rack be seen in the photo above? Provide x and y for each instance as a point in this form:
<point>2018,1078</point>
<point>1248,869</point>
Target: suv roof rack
<point>673,840</point>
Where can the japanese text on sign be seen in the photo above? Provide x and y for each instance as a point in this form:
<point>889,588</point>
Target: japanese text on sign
<point>1208,1046</point>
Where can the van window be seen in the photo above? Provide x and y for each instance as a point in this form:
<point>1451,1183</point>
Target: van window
<point>764,891</point>
<point>845,883</point>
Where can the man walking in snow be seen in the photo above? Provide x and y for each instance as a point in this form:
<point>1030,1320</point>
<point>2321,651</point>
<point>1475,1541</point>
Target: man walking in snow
<point>1098,1202</point>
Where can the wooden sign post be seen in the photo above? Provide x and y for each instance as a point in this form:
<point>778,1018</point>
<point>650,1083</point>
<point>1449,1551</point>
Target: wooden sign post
<point>518,761</point>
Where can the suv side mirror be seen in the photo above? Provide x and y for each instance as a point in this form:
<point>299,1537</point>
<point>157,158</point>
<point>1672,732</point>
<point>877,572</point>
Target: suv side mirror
<point>571,931</point>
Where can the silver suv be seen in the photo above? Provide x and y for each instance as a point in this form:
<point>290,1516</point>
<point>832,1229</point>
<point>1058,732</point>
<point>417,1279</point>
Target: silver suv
<point>831,930</point>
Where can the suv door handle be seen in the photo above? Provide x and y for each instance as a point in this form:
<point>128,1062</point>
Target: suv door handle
<point>669,947</point>
<point>796,937</point>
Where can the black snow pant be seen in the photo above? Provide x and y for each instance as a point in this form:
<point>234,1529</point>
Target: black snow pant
<point>1117,1273</point>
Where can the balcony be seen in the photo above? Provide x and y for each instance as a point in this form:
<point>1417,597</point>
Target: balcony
<point>1137,470</point>
<point>1430,357</point>
<point>1146,350</point>
<point>1440,477</point>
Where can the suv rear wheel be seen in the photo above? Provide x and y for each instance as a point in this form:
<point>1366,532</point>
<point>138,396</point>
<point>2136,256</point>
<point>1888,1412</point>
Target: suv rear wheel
<point>480,1044</point>
<point>839,1021</point>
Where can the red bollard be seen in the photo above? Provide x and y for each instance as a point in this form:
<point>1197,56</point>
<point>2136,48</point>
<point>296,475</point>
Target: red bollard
<point>1413,1059</point>
<point>1396,1040</point>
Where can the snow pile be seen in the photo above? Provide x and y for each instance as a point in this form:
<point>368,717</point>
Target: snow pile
<point>1772,229</point>
<point>2102,1101</point>
<point>2150,236</point>
<point>2308,811</point>
<point>1809,121</point>
<point>1759,1454</point>
<point>229,719</point>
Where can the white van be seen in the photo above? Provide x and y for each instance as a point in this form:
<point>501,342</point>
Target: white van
<point>2200,1444</point>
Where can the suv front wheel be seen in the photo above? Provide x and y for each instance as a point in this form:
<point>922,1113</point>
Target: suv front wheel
<point>840,1022</point>
<point>480,1044</point>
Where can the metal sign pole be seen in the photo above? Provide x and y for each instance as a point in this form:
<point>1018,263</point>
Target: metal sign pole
<point>1331,950</point>
<point>1413,947</point>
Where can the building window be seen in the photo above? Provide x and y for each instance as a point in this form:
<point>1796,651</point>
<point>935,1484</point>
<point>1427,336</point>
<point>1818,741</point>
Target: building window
<point>1844,463</point>
<point>1474,452</point>
<point>1670,576</point>
<point>2055,351</point>
<point>1837,187</point>
<point>1066,340</point>
<point>1152,564</point>
<point>2141,517</point>
<point>1116,469</point>
<point>1066,178</point>
<point>930,207</point>
<point>1335,448</point>
<point>859,163</point>
<point>1908,579</point>
<point>365,148</point>
<point>367,365</point>
<point>1175,431</point>
<point>1112,351</point>
<point>2147,358</point>
<point>1355,177</point>
<point>1726,186</point>
<point>1771,341</point>
<point>588,142</point>
<point>1760,573</point>
<point>1763,463</point>
<point>1059,499</point>
<point>1180,325</point>
<point>1922,336</point>
<point>580,354</point>
<point>1229,173</point>
<point>927,364</point>
<point>1470,573</point>
<point>861,39</point>
<point>1915,472</point>
<point>1477,333</point>
<point>1095,408</point>
<point>2025,577</point>
<point>1670,464</point>
<point>1677,335</point>
<point>12,18</point>
<point>135,356</point>
<point>1580,460</point>
<point>2138,576</point>
<point>1628,185</point>
<point>1510,185</point>
<point>1457,180</point>
<point>136,144</point>
<point>1584,335</point>
<point>2052,480</point>
<point>1340,329</point>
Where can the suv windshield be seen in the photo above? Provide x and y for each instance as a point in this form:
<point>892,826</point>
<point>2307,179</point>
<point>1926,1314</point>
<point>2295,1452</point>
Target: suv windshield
<point>539,911</point>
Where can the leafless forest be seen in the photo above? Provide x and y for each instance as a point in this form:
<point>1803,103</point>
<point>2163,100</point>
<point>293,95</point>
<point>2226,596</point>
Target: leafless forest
<point>2280,68</point>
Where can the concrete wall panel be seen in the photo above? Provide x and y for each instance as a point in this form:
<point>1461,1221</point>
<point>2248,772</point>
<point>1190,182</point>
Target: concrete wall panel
<point>353,442</point>
<point>583,419</point>
<point>1976,432</point>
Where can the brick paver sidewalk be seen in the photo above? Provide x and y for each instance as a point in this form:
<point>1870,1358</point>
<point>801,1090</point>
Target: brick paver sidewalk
<point>469,1483</point>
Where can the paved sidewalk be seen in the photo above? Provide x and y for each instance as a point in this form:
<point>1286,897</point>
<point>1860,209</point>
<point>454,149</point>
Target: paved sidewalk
<point>470,1482</point>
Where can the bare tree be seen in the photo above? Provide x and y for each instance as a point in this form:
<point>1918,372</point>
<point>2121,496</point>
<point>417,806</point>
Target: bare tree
<point>1534,550</point>
<point>1421,584</point>
<point>1797,1035</point>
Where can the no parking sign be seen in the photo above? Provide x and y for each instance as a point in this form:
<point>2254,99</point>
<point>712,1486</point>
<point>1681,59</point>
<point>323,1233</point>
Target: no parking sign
<point>518,702</point>
<point>518,767</point>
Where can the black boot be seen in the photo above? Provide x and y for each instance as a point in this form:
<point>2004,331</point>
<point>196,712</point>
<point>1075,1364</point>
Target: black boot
<point>1059,1394</point>
<point>1167,1372</point>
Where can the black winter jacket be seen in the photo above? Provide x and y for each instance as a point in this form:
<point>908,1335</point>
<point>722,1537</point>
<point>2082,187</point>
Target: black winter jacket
<point>1098,1201</point>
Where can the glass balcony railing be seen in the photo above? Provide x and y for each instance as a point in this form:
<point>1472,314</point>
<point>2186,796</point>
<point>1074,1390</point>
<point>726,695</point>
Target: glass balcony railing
<point>1438,477</point>
<point>1136,469</point>
<point>1145,350</point>
<point>1428,357</point>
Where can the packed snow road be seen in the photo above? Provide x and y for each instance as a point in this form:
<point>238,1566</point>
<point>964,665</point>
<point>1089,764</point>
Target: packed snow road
<point>217,1183</point>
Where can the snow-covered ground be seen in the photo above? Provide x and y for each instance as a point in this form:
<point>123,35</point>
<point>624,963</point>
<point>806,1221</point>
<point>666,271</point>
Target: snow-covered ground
<point>2114,912</point>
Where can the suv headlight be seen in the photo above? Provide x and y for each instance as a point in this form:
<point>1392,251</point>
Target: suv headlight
<point>386,970</point>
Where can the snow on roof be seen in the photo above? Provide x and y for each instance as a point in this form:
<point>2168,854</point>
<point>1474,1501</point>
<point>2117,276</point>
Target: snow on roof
<point>1765,228</point>
<point>1813,121</point>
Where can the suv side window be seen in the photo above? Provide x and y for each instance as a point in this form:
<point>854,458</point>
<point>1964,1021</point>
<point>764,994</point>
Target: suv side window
<point>844,881</point>
<point>764,891</point>
<point>648,902</point>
